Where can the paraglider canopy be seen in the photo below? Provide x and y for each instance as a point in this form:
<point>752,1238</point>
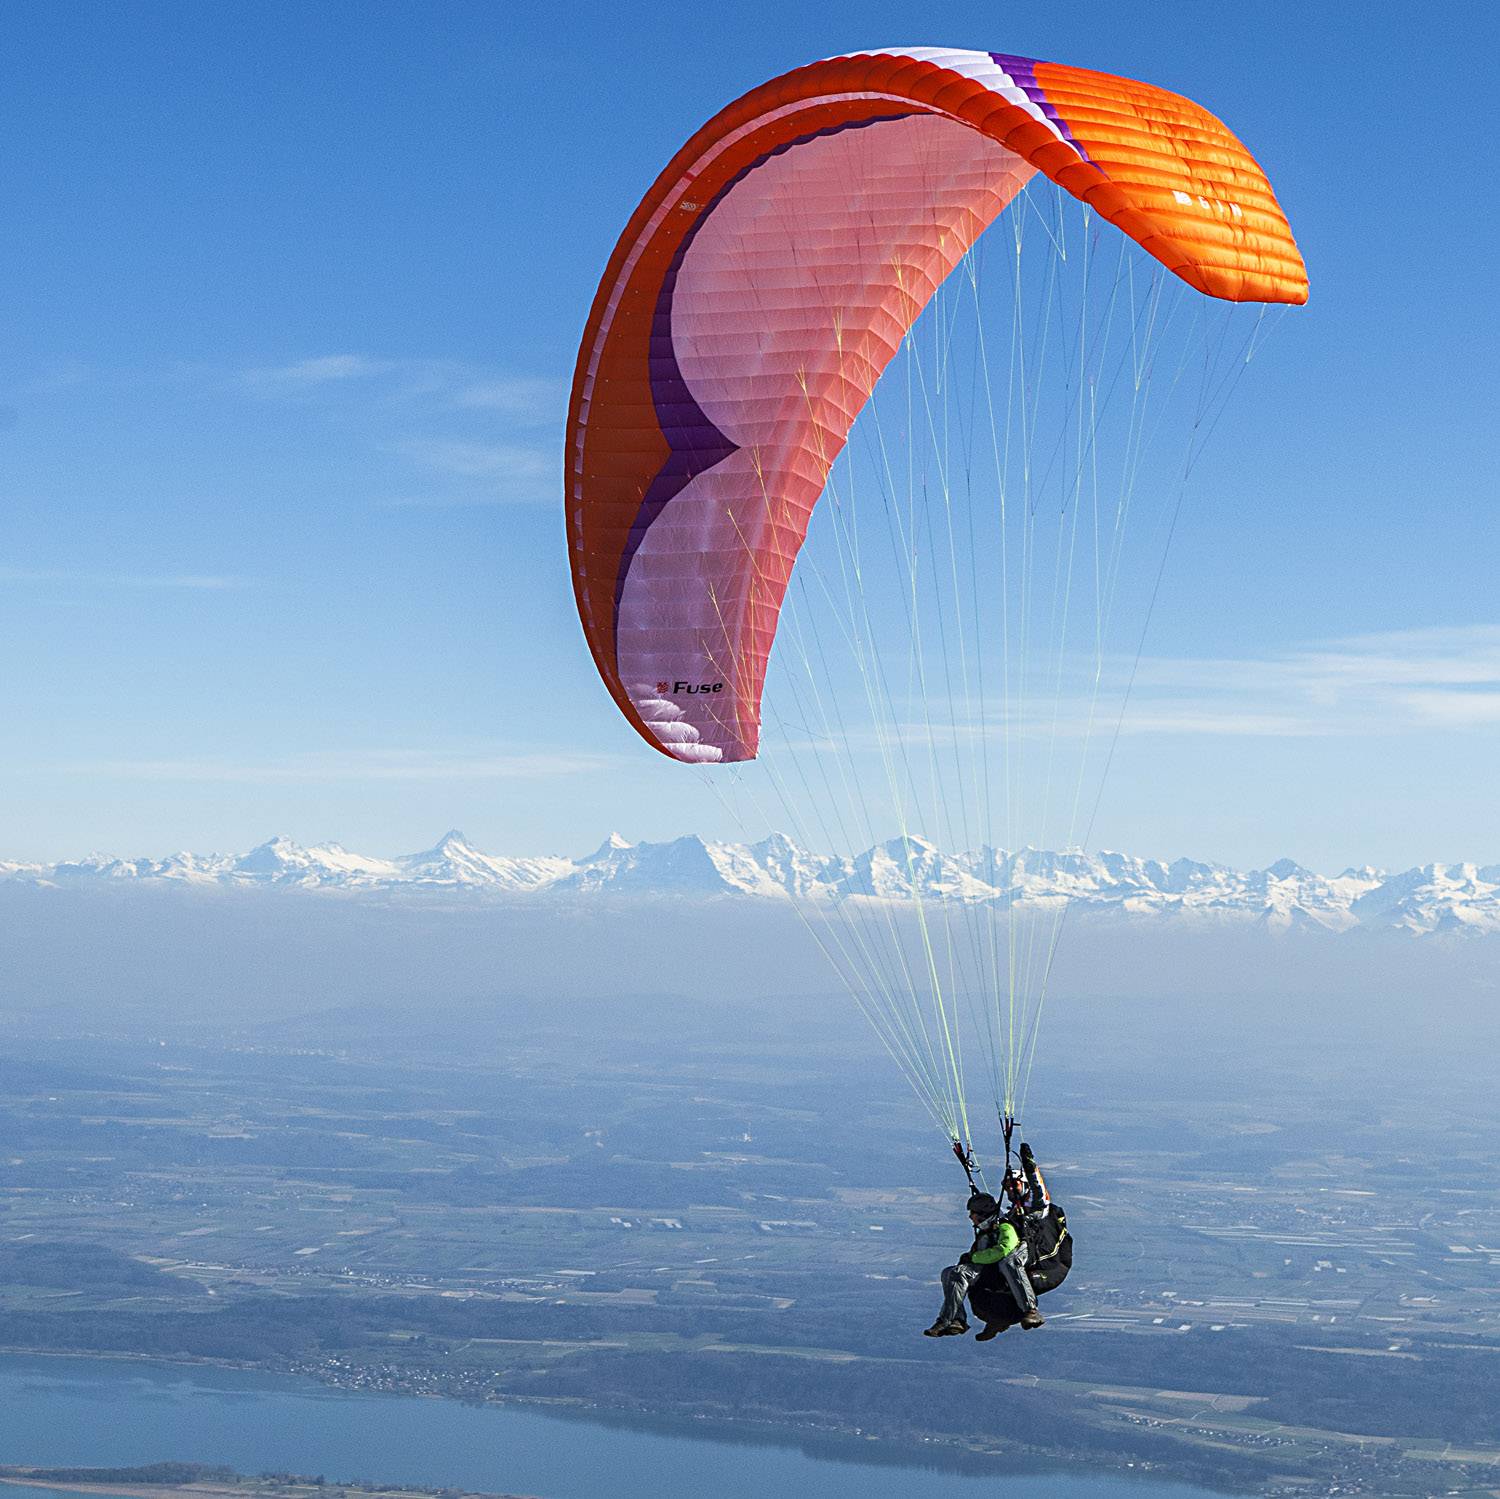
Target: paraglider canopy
<point>764,284</point>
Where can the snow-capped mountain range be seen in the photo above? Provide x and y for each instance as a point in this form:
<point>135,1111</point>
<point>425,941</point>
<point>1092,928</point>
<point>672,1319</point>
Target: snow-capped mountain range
<point>1434,898</point>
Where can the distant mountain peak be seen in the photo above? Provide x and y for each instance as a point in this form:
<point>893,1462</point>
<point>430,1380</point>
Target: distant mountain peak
<point>612,845</point>
<point>1436,898</point>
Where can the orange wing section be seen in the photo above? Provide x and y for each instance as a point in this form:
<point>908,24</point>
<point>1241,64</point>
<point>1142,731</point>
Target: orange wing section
<point>1180,183</point>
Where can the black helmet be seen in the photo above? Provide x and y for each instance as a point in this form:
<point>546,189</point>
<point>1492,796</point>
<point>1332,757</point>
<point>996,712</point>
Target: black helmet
<point>983,1204</point>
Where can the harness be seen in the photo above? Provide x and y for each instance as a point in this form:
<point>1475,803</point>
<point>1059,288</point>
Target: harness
<point>1058,1217</point>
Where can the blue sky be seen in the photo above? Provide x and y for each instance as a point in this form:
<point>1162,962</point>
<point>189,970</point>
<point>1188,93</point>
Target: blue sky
<point>291,299</point>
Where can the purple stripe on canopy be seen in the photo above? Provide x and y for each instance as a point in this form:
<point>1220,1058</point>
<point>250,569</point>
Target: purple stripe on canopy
<point>695,443</point>
<point>1023,71</point>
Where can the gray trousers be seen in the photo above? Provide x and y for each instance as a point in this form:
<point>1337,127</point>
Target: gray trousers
<point>958,1281</point>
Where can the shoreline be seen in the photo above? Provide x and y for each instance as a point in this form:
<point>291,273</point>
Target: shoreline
<point>845,1444</point>
<point>236,1488</point>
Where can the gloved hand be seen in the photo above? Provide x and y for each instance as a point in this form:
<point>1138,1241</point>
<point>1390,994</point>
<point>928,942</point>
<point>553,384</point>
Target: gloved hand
<point>1026,1154</point>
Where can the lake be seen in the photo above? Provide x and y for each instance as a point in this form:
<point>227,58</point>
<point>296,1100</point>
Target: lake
<point>58,1412</point>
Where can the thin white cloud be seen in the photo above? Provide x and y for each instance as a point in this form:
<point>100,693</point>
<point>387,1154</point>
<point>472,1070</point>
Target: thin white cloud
<point>521,400</point>
<point>1454,710</point>
<point>478,460</point>
<point>54,377</point>
<point>357,766</point>
<point>1371,684</point>
<point>462,499</point>
<point>195,582</point>
<point>477,428</point>
<point>325,369</point>
<point>1368,686</point>
<point>500,472</point>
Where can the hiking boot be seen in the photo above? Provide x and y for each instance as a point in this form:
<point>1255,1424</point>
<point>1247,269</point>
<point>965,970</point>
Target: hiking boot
<point>1033,1319</point>
<point>991,1330</point>
<point>941,1329</point>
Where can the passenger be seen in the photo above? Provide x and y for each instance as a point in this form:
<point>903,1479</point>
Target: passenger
<point>998,1242</point>
<point>1026,1188</point>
